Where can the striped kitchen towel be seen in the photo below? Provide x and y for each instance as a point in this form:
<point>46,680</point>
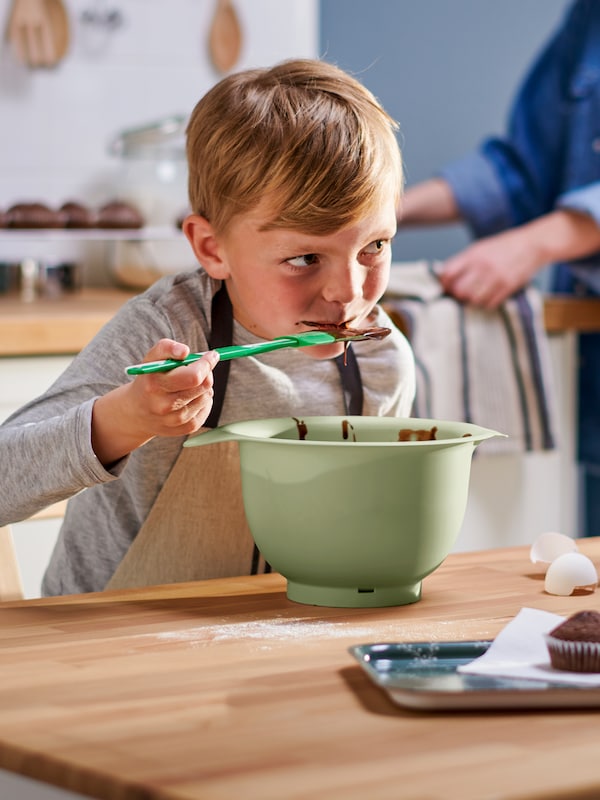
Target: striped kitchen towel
<point>491,368</point>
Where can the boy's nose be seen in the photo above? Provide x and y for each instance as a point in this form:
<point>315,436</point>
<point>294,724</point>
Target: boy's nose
<point>344,284</point>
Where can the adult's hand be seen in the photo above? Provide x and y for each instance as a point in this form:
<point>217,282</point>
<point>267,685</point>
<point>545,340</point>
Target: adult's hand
<point>488,271</point>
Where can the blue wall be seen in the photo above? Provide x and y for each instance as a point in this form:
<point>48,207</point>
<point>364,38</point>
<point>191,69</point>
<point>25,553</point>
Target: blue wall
<point>445,69</point>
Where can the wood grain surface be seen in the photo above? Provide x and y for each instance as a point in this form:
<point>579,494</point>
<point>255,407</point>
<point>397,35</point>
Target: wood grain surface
<point>567,313</point>
<point>225,689</point>
<point>58,325</point>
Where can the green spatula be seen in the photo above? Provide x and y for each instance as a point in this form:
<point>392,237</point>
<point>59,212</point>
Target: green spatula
<point>306,339</point>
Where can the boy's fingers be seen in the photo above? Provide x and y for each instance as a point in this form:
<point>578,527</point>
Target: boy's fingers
<point>167,348</point>
<point>212,357</point>
<point>190,377</point>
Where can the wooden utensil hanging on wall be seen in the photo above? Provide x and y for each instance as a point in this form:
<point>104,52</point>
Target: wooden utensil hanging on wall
<point>38,31</point>
<point>225,36</point>
<point>30,33</point>
<point>59,21</point>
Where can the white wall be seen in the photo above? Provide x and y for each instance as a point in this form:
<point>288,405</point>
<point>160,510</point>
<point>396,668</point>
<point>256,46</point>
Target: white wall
<point>55,124</point>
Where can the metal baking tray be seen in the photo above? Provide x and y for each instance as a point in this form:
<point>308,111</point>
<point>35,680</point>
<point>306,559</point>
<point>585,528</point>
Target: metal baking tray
<point>423,676</point>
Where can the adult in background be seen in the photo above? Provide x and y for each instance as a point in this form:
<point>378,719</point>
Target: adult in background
<point>532,199</point>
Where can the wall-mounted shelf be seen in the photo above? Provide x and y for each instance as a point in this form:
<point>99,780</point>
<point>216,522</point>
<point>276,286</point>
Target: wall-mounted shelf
<point>148,233</point>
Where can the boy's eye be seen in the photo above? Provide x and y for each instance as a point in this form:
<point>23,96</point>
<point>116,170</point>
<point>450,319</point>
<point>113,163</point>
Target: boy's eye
<point>306,260</point>
<point>378,246</point>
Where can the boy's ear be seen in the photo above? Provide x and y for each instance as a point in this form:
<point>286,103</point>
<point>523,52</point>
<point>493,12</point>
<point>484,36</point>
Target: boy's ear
<point>205,244</point>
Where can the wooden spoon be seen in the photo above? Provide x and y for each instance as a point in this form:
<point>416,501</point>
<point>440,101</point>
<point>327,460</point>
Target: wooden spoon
<point>225,36</point>
<point>30,33</point>
<point>59,22</point>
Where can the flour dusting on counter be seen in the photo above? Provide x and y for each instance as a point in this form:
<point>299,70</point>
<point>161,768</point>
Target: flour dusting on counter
<point>298,628</point>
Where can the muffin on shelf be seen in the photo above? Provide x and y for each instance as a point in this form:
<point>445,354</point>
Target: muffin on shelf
<point>34,215</point>
<point>119,214</point>
<point>77,215</point>
<point>574,645</point>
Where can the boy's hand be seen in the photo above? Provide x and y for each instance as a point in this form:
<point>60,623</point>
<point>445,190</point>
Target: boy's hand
<point>174,403</point>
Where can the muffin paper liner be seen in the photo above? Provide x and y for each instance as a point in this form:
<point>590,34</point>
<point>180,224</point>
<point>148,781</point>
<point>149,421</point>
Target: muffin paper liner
<point>573,656</point>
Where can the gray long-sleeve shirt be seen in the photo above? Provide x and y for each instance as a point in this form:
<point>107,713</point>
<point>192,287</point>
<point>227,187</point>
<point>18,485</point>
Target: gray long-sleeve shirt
<point>46,445</point>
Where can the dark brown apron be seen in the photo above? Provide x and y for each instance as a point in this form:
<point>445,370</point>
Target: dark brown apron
<point>197,528</point>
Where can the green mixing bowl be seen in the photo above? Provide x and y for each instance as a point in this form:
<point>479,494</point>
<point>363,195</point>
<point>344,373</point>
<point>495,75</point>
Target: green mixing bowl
<point>350,515</point>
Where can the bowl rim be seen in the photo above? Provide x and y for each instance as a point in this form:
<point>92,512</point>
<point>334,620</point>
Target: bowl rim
<point>273,427</point>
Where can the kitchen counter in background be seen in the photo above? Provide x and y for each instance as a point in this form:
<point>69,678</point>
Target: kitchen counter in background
<point>56,326</point>
<point>565,313</point>
<point>64,325</point>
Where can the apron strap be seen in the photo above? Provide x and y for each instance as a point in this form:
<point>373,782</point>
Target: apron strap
<point>221,335</point>
<point>352,387</point>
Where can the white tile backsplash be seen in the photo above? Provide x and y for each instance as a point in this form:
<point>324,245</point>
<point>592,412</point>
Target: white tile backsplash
<point>56,124</point>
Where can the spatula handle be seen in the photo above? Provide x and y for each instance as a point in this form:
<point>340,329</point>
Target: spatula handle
<point>225,353</point>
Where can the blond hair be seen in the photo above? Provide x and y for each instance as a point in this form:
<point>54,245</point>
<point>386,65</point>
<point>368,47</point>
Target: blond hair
<point>303,135</point>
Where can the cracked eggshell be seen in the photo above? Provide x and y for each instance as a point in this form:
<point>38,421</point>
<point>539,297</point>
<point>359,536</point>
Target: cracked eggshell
<point>549,546</point>
<point>568,572</point>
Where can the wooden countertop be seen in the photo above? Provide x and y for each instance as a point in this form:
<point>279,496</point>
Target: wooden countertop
<point>56,326</point>
<point>226,689</point>
<point>567,313</point>
<point>65,325</point>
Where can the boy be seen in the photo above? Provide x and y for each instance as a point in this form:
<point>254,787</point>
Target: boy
<point>294,178</point>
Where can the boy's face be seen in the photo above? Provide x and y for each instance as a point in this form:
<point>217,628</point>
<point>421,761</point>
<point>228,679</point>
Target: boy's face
<point>276,278</point>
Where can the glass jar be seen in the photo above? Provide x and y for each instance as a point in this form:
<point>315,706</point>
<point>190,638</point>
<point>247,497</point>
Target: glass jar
<point>153,174</point>
<point>153,177</point>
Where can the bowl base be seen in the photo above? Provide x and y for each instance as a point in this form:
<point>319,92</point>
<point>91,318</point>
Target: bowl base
<point>350,597</point>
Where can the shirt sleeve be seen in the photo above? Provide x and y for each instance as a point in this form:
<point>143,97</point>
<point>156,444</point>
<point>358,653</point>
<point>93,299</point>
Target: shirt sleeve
<point>47,443</point>
<point>585,199</point>
<point>518,177</point>
<point>479,193</point>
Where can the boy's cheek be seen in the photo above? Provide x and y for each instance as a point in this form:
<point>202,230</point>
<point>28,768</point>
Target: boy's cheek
<point>376,283</point>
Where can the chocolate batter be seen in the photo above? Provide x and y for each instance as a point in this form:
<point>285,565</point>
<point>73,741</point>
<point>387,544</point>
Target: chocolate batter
<point>344,333</point>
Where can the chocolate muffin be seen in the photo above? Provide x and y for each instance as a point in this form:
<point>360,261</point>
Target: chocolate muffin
<point>574,645</point>
<point>34,215</point>
<point>77,215</point>
<point>119,214</point>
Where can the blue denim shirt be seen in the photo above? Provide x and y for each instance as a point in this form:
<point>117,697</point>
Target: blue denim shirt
<point>550,156</point>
